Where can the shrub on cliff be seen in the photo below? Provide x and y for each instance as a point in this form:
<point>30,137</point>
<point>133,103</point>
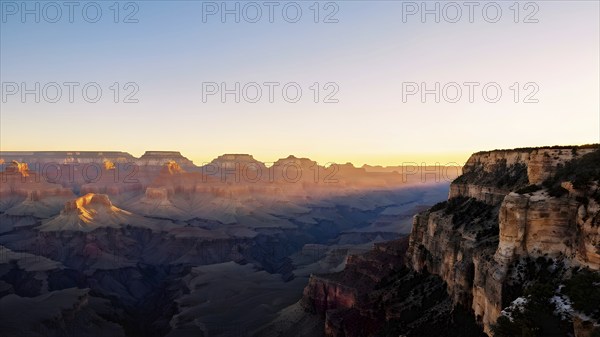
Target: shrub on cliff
<point>501,176</point>
<point>580,171</point>
<point>535,318</point>
<point>471,213</point>
<point>584,291</point>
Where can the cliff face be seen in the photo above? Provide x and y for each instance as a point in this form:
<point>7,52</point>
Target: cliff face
<point>536,225</point>
<point>490,176</point>
<point>376,295</point>
<point>326,294</point>
<point>485,228</point>
<point>344,298</point>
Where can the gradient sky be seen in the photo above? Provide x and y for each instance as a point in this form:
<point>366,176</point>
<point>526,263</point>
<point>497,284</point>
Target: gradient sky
<point>369,53</point>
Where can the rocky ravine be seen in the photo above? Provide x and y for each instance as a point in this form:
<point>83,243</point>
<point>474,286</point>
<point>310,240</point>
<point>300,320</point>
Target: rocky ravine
<point>510,207</point>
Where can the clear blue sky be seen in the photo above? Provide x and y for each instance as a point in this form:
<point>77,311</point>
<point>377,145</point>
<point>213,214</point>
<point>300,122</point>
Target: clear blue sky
<point>369,53</point>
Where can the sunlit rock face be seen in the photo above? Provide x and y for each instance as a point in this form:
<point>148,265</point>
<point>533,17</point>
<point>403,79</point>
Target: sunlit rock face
<point>90,212</point>
<point>87,201</point>
<point>473,256</point>
<point>171,167</point>
<point>17,168</point>
<point>536,225</point>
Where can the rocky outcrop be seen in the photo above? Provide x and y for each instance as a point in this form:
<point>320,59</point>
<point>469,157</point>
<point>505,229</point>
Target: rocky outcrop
<point>229,160</point>
<point>160,158</point>
<point>474,255</point>
<point>93,211</point>
<point>340,290</point>
<point>488,194</point>
<point>491,175</point>
<point>81,203</point>
<point>343,298</point>
<point>448,243</point>
<point>324,294</point>
<point>171,167</point>
<point>538,225</point>
<point>17,168</point>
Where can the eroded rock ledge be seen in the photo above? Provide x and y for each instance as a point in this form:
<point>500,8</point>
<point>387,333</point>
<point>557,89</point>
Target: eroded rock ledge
<point>473,255</point>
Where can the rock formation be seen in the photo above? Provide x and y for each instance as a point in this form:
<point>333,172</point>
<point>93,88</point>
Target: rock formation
<point>90,212</point>
<point>473,240</point>
<point>343,297</point>
<point>160,158</point>
<point>63,157</point>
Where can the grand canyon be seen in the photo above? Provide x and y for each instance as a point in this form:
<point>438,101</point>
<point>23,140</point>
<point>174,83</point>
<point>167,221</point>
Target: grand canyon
<point>288,168</point>
<point>106,244</point>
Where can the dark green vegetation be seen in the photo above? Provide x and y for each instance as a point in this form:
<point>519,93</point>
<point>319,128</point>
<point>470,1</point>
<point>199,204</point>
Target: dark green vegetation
<point>528,271</point>
<point>471,214</point>
<point>535,318</point>
<point>421,308</point>
<point>501,176</point>
<point>581,171</point>
<point>541,279</point>
<point>584,291</point>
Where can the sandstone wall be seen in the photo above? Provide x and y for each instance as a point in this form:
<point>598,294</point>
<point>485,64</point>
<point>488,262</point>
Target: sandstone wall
<point>529,225</point>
